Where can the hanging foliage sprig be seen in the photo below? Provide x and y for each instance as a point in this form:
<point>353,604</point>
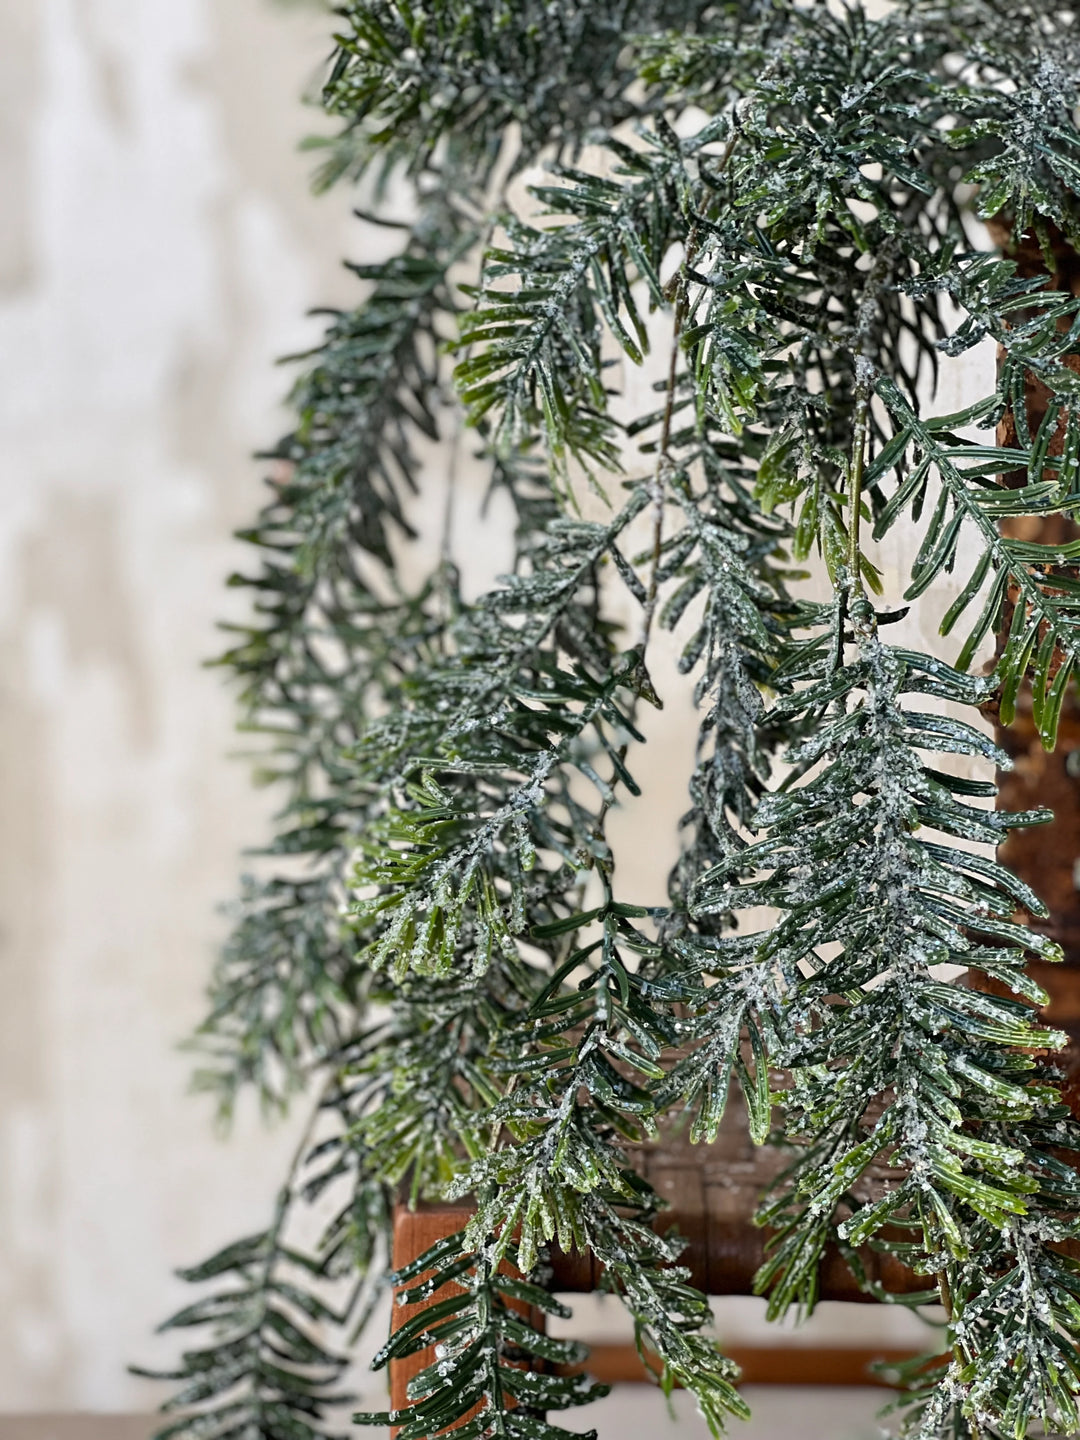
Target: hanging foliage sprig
<point>778,202</point>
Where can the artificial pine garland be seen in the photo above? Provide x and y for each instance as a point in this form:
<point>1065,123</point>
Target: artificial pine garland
<point>443,952</point>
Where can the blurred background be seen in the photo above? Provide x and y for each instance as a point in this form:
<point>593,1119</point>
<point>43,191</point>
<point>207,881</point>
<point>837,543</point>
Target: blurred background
<point>159,248</point>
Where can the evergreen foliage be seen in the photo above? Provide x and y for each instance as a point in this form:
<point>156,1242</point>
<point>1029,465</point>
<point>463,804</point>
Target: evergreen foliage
<point>782,196</point>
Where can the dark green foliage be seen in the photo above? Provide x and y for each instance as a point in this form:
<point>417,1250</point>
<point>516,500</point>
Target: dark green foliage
<point>863,858</point>
<point>263,1369</point>
<point>326,643</point>
<point>581,1066</point>
<point>436,86</point>
<point>279,991</point>
<point>537,352</point>
<point>440,931</point>
<point>486,1351</point>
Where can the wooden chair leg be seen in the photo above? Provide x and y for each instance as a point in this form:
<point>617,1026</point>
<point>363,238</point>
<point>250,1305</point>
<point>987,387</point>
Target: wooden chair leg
<point>414,1232</point>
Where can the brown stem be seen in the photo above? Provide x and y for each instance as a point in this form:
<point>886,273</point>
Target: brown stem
<point>945,1290</point>
<point>658,486</point>
<point>858,465</point>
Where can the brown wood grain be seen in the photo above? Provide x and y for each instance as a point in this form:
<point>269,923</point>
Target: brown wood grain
<point>1044,856</point>
<point>840,1366</point>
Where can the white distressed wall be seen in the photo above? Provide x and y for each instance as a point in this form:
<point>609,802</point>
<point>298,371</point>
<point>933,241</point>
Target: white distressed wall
<point>158,248</point>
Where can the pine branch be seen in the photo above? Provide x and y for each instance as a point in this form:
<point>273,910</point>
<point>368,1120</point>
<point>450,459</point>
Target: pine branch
<point>583,1063</point>
<point>441,85</point>
<point>322,640</point>
<point>485,1378</point>
<point>282,993</point>
<point>450,764</point>
<point>1047,595</point>
<point>887,1061</point>
<point>534,352</point>
<point>263,1372</point>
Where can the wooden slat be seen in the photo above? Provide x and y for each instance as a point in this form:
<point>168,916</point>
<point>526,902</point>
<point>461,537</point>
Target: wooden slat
<point>414,1232</point>
<point>722,1262</point>
<point>840,1366</point>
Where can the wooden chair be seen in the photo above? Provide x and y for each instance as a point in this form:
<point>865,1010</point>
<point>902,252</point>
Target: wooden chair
<point>713,1191</point>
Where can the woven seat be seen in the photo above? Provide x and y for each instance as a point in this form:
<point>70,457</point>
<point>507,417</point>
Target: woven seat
<point>713,1192</point>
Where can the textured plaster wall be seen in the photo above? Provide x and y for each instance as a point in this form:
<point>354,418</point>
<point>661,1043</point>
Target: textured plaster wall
<point>158,248</point>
